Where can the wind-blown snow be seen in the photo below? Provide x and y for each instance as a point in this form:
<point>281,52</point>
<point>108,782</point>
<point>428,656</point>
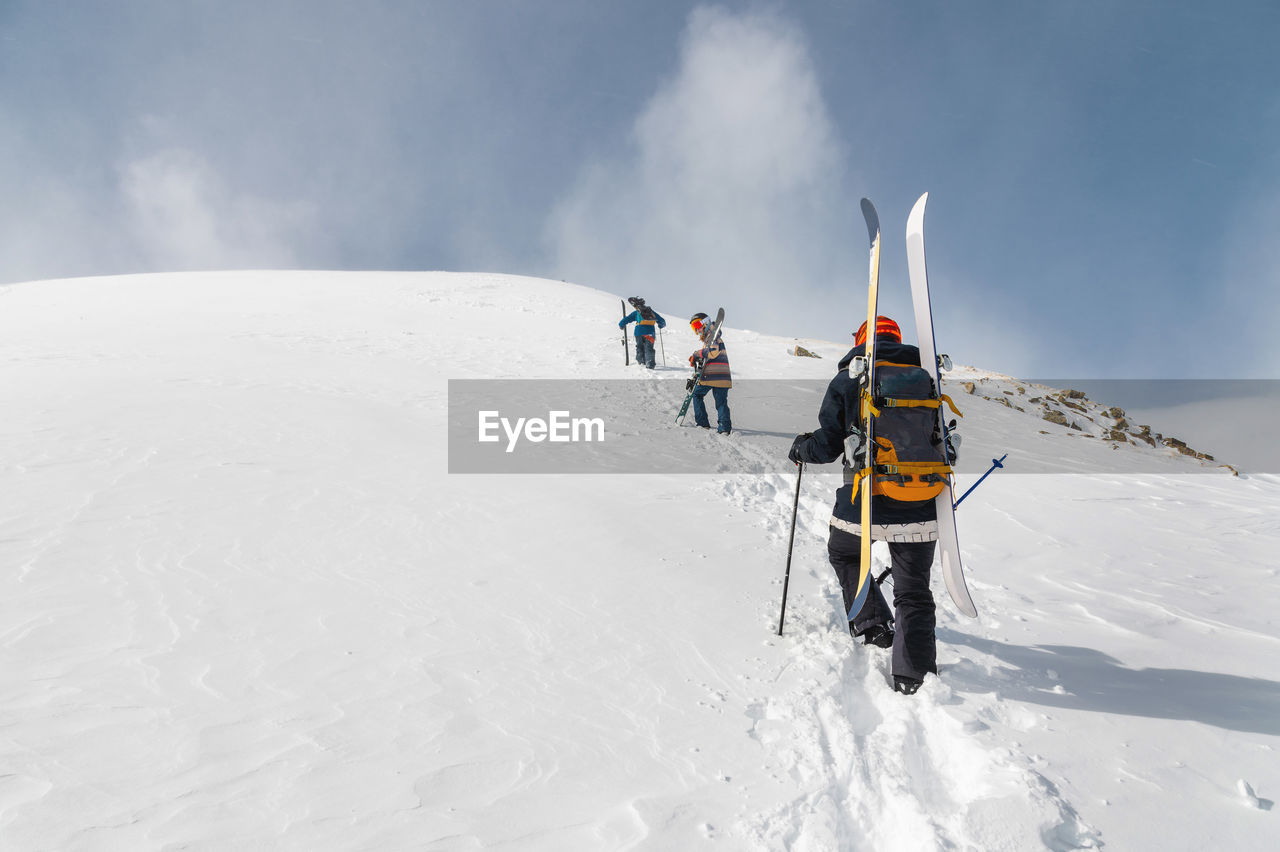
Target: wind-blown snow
<point>244,605</point>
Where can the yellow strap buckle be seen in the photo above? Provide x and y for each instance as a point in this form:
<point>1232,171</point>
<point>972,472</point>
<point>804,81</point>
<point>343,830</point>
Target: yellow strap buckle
<point>869,404</point>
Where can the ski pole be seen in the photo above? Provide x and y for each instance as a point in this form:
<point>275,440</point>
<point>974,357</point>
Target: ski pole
<point>786,578</point>
<point>663,344</point>
<point>995,463</point>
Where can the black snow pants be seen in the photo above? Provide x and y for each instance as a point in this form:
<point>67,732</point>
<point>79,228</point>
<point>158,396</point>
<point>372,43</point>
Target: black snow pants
<point>915,649</point>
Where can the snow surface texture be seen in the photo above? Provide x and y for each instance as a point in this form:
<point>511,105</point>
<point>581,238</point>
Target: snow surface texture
<point>244,605</point>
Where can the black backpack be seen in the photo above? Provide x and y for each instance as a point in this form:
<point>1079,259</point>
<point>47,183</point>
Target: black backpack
<point>909,463</point>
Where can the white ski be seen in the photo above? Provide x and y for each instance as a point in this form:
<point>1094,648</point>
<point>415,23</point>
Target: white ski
<point>948,541</point>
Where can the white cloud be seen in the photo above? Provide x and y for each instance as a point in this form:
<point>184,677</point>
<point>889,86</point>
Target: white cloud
<point>182,215</point>
<point>730,184</point>
<point>1247,290</point>
<point>48,226</point>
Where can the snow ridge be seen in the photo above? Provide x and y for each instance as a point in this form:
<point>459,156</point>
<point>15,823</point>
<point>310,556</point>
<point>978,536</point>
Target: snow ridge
<point>248,606</point>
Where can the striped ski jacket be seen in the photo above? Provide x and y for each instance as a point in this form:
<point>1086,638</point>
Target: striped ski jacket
<point>716,374</point>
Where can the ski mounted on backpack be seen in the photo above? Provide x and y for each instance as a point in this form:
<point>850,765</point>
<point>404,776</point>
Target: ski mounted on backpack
<point>948,540</point>
<point>862,485</point>
<point>912,460</point>
<point>692,384</point>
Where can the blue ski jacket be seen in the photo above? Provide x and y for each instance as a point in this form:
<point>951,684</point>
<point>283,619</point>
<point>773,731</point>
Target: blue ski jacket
<point>644,327</point>
<point>836,417</point>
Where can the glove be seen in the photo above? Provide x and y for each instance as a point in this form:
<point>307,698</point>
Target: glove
<point>800,441</point>
<point>691,357</point>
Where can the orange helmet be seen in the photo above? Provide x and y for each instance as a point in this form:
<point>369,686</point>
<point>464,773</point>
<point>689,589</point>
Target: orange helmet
<point>885,327</point>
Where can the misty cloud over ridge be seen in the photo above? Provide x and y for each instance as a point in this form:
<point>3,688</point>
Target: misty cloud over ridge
<point>729,188</point>
<point>182,215</point>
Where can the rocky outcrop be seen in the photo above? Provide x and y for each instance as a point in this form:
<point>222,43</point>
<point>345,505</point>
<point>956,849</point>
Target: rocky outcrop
<point>1074,410</point>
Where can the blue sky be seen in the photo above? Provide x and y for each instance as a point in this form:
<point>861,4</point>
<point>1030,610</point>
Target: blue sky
<point>1104,177</point>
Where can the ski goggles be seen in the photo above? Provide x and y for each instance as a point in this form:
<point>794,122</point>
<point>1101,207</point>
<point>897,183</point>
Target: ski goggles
<point>698,325</point>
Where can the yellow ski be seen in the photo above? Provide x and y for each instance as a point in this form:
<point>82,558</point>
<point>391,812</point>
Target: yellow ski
<point>864,410</point>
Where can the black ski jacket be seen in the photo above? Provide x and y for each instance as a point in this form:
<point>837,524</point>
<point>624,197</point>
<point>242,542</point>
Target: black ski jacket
<point>838,413</point>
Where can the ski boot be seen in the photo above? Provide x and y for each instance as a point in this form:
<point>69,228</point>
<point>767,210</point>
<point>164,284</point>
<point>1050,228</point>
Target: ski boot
<point>880,635</point>
<point>906,685</point>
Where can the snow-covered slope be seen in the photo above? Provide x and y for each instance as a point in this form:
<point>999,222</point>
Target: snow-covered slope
<point>244,604</point>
